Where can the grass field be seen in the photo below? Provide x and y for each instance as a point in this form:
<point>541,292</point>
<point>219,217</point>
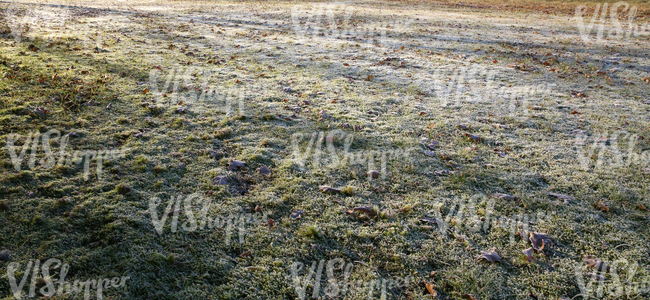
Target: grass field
<point>339,150</point>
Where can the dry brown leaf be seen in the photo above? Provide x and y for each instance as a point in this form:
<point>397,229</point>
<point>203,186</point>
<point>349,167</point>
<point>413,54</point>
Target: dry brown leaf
<point>351,213</point>
<point>565,198</point>
<point>247,253</point>
<point>367,210</point>
<point>602,206</point>
<point>473,137</point>
<point>373,173</point>
<point>323,115</point>
<point>577,94</point>
<point>264,170</point>
<point>529,254</point>
<point>430,287</point>
<point>329,189</point>
<point>641,207</point>
<point>297,214</point>
<point>271,224</point>
<point>220,180</point>
<point>593,262</point>
<point>539,240</point>
<point>468,296</point>
<point>504,196</point>
<point>490,256</point>
<point>433,144</point>
<point>429,220</point>
<point>235,165</point>
<point>444,156</point>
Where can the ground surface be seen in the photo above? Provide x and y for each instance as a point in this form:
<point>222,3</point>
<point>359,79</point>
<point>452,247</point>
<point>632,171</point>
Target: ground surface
<point>514,98</point>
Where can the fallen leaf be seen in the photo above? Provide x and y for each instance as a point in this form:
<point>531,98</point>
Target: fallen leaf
<point>264,170</point>
<point>565,198</point>
<point>529,254</point>
<point>445,156</point>
<point>328,189</point>
<point>429,220</point>
<point>297,214</point>
<point>220,180</point>
<point>247,253</point>
<point>146,90</point>
<point>490,256</point>
<point>366,209</point>
<point>373,173</point>
<point>641,207</point>
<point>602,206</point>
<point>236,165</point>
<point>468,296</point>
<point>539,240</point>
<point>473,137</point>
<point>323,115</point>
<point>430,287</point>
<point>271,224</point>
<point>593,262</point>
<point>433,144</point>
<point>351,212</point>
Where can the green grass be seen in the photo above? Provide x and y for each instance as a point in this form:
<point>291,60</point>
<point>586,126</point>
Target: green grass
<point>103,226</point>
